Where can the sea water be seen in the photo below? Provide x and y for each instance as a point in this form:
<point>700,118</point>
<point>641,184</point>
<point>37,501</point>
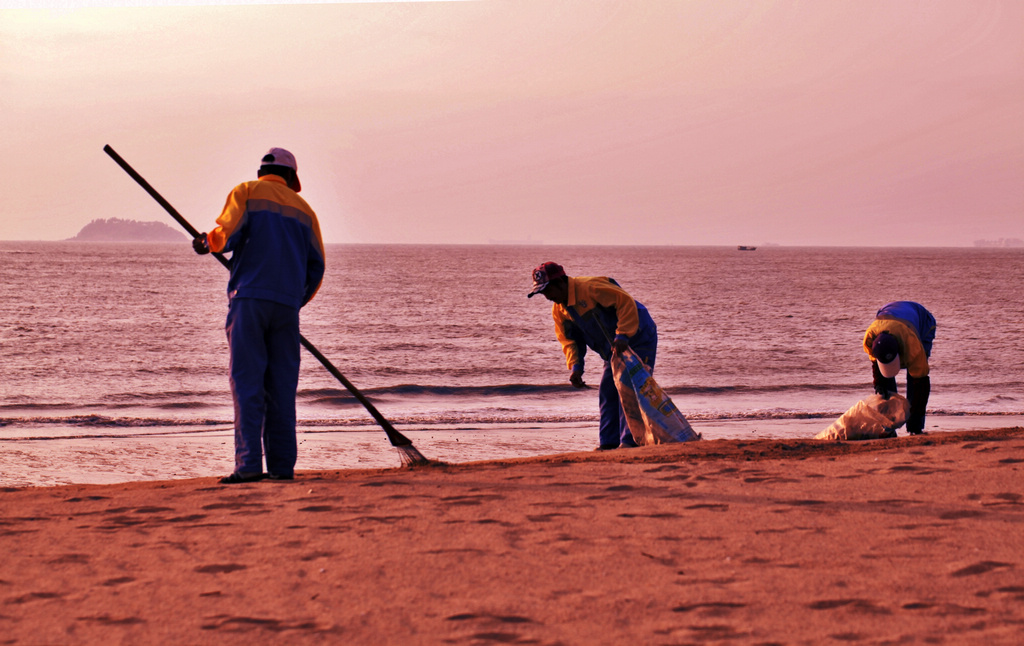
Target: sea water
<point>113,358</point>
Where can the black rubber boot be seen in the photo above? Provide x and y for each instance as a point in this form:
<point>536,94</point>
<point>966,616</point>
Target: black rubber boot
<point>918,390</point>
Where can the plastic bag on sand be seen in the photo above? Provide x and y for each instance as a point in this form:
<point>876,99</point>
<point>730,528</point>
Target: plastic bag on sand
<point>650,414</point>
<point>869,419</point>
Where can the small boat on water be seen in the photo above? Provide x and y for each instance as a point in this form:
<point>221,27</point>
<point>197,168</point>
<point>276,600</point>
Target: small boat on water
<point>745,248</point>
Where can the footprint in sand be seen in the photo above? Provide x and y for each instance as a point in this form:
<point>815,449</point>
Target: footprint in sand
<point>980,568</point>
<point>223,568</point>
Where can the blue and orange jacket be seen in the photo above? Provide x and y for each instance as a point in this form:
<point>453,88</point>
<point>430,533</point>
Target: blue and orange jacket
<point>599,310</point>
<point>274,236</point>
<point>914,329</point>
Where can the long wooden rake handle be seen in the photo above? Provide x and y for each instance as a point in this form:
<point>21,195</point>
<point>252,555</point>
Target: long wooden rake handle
<point>409,453</point>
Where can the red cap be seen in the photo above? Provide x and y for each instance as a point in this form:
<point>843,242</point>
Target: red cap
<point>545,274</point>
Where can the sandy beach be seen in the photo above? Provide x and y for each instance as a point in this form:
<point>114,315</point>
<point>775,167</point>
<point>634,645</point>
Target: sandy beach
<point>910,540</point>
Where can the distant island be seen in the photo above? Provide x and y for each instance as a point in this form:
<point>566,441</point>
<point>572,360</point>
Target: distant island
<point>118,230</point>
<point>1001,242</point>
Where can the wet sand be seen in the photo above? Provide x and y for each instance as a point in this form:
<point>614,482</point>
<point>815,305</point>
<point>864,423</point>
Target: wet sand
<point>58,455</point>
<point>907,540</point>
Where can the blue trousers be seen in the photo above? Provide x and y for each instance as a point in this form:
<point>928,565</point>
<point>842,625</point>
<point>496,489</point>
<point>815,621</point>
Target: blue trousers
<point>264,341</point>
<point>613,430</point>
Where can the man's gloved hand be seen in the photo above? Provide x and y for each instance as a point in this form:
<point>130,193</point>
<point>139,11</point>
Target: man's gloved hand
<point>881,383</point>
<point>620,344</point>
<point>882,389</point>
<point>576,379</point>
<point>199,244</point>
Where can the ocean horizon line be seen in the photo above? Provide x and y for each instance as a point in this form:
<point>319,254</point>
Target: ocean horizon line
<point>759,246</point>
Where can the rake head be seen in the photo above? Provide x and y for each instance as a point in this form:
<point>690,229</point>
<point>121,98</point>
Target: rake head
<point>411,457</point>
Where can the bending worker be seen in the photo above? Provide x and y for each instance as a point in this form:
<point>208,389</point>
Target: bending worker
<point>277,264</point>
<point>901,336</point>
<point>595,312</point>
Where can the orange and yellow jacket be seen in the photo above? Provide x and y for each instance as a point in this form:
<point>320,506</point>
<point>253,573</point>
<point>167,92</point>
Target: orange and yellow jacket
<point>914,329</point>
<point>277,253</point>
<point>598,311</point>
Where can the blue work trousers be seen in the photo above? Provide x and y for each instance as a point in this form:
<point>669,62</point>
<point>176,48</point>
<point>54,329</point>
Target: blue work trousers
<point>613,430</point>
<point>264,341</point>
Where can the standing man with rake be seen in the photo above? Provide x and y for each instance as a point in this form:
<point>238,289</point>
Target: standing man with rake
<point>277,265</point>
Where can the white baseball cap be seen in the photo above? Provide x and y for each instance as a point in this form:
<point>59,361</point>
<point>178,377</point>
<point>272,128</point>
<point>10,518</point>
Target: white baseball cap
<point>886,351</point>
<point>281,157</point>
<point>891,369</point>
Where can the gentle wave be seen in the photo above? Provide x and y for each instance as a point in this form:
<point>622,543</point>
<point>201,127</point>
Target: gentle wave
<point>185,400</point>
<point>106,421</point>
<point>200,425</point>
<point>202,399</point>
<point>420,390</point>
<point>116,405</point>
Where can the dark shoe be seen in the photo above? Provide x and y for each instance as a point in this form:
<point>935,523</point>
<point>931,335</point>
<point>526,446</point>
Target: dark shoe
<point>242,476</point>
<point>279,476</point>
<point>607,447</point>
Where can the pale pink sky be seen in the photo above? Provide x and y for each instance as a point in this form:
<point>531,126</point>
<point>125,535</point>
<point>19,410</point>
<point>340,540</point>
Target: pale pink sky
<point>847,122</point>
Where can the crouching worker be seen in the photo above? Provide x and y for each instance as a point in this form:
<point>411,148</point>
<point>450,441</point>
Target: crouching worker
<point>595,312</point>
<point>901,336</point>
<point>277,264</point>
